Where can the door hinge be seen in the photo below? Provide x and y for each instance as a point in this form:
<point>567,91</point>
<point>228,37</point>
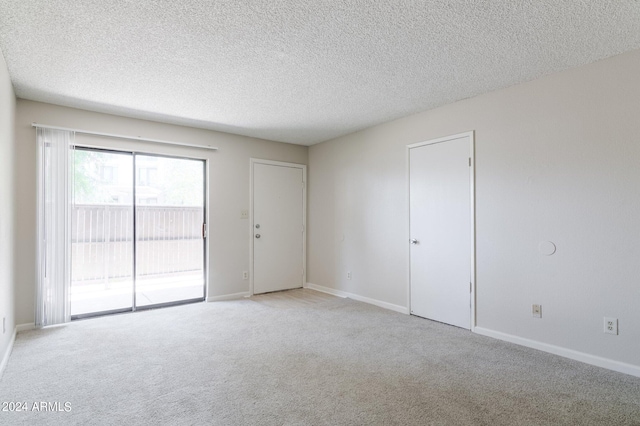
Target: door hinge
<point>469,161</point>
<point>204,230</point>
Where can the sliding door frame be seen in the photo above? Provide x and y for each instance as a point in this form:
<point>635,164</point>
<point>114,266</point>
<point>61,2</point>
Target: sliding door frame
<point>134,307</point>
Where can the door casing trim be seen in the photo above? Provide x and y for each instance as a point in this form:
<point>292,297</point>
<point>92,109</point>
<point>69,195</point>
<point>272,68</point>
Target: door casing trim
<point>303,167</point>
<point>472,192</point>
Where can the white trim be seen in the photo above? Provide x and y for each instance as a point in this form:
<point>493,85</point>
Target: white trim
<point>7,352</point>
<point>25,327</point>
<point>116,136</point>
<point>472,174</point>
<point>207,222</point>
<point>226,297</point>
<point>633,370</point>
<point>472,204</point>
<point>344,294</point>
<point>253,161</point>
<point>442,139</point>
<point>278,163</point>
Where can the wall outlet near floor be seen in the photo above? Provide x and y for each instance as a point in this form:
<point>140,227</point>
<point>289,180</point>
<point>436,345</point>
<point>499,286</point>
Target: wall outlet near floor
<point>611,325</point>
<point>349,275</point>
<point>536,310</point>
<point>244,214</point>
<point>245,275</point>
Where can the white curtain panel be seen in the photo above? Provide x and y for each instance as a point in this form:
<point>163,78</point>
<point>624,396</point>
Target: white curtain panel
<point>54,226</point>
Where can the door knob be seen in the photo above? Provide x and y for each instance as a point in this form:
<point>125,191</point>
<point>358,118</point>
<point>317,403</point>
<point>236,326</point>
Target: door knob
<point>413,241</point>
<point>257,235</point>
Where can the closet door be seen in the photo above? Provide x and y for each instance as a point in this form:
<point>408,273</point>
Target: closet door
<point>441,230</point>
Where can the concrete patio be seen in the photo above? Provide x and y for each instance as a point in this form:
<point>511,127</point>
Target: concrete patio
<point>107,295</point>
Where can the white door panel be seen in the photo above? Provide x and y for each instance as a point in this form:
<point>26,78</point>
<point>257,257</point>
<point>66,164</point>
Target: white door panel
<point>440,221</point>
<point>278,214</point>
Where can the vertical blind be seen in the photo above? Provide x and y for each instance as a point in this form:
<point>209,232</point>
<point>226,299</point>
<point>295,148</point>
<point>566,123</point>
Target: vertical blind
<point>55,171</point>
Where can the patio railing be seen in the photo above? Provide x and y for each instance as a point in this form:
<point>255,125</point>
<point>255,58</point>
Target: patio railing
<point>168,241</point>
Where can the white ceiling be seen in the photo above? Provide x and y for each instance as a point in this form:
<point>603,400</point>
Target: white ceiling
<point>299,71</point>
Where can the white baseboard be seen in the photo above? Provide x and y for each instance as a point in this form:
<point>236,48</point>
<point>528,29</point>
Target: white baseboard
<point>7,353</point>
<point>25,327</point>
<point>344,294</point>
<point>633,370</point>
<point>234,296</point>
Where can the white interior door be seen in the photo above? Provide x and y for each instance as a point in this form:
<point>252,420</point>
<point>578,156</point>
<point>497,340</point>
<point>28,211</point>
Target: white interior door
<point>278,226</point>
<point>440,230</point>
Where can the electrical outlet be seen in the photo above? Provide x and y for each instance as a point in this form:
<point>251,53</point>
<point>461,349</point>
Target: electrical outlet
<point>244,214</point>
<point>536,310</point>
<point>611,325</point>
<point>245,275</point>
<point>349,275</point>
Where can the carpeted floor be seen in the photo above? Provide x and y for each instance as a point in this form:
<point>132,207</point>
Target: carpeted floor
<point>299,358</point>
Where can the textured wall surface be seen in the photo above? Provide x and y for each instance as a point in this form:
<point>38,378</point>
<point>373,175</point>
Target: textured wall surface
<point>228,186</point>
<point>556,160</point>
<point>7,112</point>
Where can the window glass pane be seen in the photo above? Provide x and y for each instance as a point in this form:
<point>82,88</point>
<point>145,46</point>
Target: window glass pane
<point>170,214</point>
<point>102,232</point>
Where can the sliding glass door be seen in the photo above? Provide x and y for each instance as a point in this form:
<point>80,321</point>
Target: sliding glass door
<point>137,231</point>
<point>169,230</point>
<point>102,243</point>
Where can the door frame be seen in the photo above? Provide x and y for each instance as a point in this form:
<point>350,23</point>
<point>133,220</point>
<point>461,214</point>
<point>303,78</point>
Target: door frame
<point>205,265</point>
<point>472,217</point>
<point>204,229</point>
<point>303,167</point>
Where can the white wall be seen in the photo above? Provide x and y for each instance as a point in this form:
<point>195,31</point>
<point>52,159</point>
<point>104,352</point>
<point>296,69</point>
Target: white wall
<point>7,301</point>
<point>557,159</point>
<point>229,235</point>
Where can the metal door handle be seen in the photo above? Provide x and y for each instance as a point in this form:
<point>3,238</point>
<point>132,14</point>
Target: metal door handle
<point>413,241</point>
<point>257,235</point>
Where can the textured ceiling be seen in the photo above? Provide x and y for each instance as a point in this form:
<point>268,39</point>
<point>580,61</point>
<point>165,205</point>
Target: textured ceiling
<point>299,71</point>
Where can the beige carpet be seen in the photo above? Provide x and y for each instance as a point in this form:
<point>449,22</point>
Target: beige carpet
<point>299,358</point>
